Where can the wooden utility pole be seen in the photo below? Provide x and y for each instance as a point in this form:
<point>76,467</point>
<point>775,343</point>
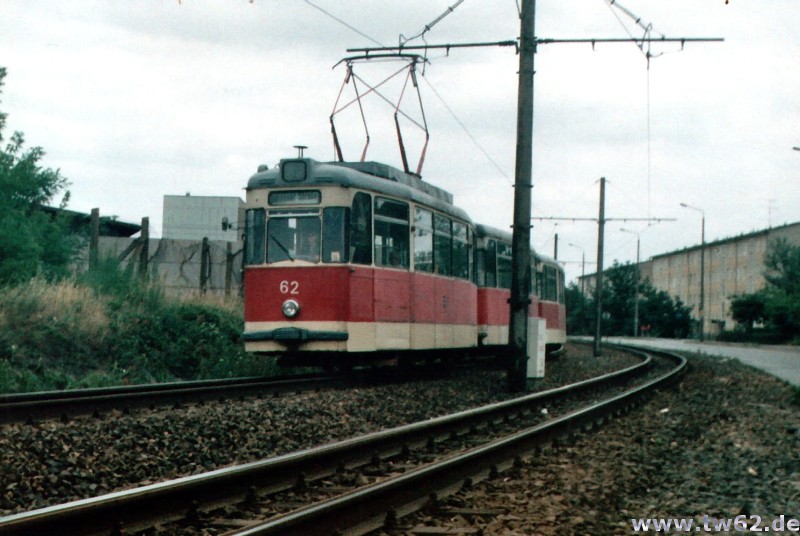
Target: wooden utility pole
<point>205,265</point>
<point>521,234</point>
<point>94,239</point>
<point>228,269</point>
<point>144,252</point>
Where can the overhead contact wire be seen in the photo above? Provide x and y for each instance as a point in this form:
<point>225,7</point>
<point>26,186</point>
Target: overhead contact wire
<point>340,21</point>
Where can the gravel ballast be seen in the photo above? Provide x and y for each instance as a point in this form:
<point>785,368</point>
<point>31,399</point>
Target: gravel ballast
<point>723,443</point>
<point>53,462</point>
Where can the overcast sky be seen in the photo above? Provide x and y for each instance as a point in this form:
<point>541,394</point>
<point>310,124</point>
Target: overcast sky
<point>136,100</point>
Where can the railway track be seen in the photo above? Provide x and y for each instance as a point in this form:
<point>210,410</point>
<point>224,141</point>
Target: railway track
<point>67,404</point>
<point>403,466</point>
<point>36,406</point>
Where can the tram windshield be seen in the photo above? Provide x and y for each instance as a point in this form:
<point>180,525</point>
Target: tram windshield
<point>291,237</point>
<point>288,235</point>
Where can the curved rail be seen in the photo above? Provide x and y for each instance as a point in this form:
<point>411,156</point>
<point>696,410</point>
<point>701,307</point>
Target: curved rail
<point>369,508</point>
<point>54,404</point>
<point>172,500</point>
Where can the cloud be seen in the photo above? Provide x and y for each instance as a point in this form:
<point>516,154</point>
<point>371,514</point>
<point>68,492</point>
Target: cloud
<point>137,100</point>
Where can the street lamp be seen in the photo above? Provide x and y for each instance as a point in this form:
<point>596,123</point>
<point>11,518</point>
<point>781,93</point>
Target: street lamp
<point>583,266</point>
<point>701,310</point>
<point>636,297</point>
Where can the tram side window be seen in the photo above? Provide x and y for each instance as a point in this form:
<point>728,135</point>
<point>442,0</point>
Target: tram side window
<point>491,264</point>
<point>503,265</point>
<point>442,245</point>
<point>334,234</point>
<point>461,257</point>
<point>562,298</point>
<point>391,233</point>
<point>361,229</point>
<point>255,220</point>
<point>539,283</point>
<point>423,240</point>
<point>552,283</point>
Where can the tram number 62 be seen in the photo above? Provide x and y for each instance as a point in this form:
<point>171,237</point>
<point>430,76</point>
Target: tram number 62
<point>290,287</point>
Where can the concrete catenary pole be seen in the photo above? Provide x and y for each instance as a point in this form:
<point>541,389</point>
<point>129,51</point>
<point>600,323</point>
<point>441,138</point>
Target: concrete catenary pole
<point>521,236</point>
<point>598,293</point>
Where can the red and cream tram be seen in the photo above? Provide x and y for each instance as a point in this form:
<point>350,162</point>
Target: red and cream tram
<point>349,262</point>
<point>493,272</point>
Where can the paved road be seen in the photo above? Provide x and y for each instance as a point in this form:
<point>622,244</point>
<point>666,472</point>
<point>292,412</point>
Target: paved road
<point>780,361</point>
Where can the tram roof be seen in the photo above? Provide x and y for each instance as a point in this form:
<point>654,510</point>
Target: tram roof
<point>373,176</point>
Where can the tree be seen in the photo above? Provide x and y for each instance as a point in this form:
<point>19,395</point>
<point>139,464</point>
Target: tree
<point>663,315</point>
<point>782,293</point>
<point>31,241</point>
<point>579,311</point>
<point>618,301</point>
<point>782,261</point>
<point>747,309</point>
<point>777,305</point>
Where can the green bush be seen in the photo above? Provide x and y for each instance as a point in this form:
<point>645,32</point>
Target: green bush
<point>108,328</point>
<point>179,341</point>
<point>56,326</point>
<point>755,336</point>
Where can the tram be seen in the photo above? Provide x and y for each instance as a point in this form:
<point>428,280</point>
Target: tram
<point>354,262</point>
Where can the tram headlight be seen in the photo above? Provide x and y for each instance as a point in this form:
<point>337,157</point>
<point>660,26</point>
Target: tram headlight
<point>290,308</point>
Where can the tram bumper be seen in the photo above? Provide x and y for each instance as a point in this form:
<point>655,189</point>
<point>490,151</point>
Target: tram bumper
<point>291,336</point>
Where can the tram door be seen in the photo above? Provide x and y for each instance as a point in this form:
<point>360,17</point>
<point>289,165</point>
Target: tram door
<point>392,278</point>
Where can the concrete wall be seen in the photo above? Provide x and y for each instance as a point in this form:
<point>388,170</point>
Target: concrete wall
<point>176,263</point>
<point>733,266</point>
<point>188,217</point>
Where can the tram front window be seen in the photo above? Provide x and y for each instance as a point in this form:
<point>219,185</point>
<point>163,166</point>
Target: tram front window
<point>334,234</point>
<point>255,220</point>
<point>290,238</point>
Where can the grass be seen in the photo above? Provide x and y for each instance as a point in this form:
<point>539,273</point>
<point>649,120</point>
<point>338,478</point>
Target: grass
<point>107,328</point>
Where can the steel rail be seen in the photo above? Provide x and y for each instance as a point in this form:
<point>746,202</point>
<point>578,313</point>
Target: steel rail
<point>19,407</point>
<point>172,500</point>
<point>368,508</point>
<point>54,404</point>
